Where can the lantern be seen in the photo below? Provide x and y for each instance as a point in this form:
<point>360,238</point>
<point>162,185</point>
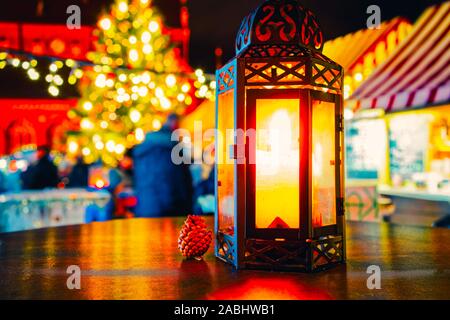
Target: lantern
<point>279,158</point>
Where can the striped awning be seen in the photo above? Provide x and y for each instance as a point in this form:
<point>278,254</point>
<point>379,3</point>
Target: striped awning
<point>350,50</point>
<point>417,74</point>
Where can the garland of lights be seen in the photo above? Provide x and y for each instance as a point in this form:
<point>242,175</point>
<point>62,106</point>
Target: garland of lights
<point>29,62</point>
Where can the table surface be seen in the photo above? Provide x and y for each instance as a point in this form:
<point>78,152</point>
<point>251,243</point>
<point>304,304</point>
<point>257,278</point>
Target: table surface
<point>138,259</point>
<point>440,196</point>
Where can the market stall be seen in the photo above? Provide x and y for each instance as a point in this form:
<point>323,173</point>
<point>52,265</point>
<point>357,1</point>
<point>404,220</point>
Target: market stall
<point>402,122</point>
<point>27,210</point>
<point>360,53</point>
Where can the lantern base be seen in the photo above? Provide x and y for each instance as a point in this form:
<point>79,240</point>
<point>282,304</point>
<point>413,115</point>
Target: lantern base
<point>300,256</point>
<point>225,248</point>
<point>289,255</point>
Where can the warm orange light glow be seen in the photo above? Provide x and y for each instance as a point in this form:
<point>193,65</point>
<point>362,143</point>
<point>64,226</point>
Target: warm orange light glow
<point>323,164</point>
<point>99,184</point>
<point>58,46</point>
<point>270,289</point>
<point>98,177</point>
<point>277,163</point>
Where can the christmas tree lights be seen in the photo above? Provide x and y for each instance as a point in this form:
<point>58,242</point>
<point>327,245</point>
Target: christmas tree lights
<point>136,80</point>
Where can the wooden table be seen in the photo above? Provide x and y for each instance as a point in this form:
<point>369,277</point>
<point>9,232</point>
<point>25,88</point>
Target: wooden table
<point>138,259</point>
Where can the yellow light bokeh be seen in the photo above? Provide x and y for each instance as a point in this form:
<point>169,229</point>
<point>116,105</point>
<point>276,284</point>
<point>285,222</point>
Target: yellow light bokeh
<point>87,106</point>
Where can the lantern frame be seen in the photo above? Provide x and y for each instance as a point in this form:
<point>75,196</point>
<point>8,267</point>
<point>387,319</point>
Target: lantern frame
<point>279,68</point>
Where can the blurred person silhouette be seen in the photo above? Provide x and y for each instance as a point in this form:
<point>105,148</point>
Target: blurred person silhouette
<point>162,187</point>
<point>204,193</point>
<point>79,175</point>
<point>125,199</point>
<point>2,182</point>
<point>126,168</point>
<point>43,173</point>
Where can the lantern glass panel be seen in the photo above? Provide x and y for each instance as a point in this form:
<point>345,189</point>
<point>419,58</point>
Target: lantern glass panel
<point>225,166</point>
<point>323,164</point>
<point>277,164</point>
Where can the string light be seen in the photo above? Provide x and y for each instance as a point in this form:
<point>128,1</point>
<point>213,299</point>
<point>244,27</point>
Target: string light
<point>110,145</point>
<point>139,134</point>
<point>105,24</point>
<point>199,73</point>
<point>99,145</point>
<point>122,77</point>
<point>147,49</point>
<point>146,37</point>
<point>72,80</point>
<point>156,124</point>
<point>153,26</point>
<point>70,63</point>
<point>53,67</point>
<point>171,80</point>
<point>86,124</point>
<point>135,115</point>
<point>123,6</point>
<point>86,151</point>
<point>358,77</point>
<point>53,90</point>
<point>78,73</point>
<point>73,146</point>
<point>87,106</point>
<point>119,148</point>
<point>132,39</point>
<point>58,80</point>
<point>33,74</point>
<point>181,97</point>
<point>186,87</point>
<point>133,55</point>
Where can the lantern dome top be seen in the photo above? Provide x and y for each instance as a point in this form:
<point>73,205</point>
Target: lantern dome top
<point>279,23</point>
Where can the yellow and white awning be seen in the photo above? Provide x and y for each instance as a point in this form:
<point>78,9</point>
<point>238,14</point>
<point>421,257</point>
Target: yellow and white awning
<point>417,73</point>
<point>362,51</point>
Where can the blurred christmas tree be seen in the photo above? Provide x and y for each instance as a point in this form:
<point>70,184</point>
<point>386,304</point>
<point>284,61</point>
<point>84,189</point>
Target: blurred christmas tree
<point>137,79</point>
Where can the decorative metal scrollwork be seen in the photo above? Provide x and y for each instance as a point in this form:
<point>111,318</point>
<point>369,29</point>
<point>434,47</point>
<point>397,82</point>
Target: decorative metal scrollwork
<point>281,23</point>
<point>244,34</point>
<point>276,23</point>
<point>311,32</point>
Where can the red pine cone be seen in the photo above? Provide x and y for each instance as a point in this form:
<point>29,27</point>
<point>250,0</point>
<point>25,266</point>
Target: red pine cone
<point>195,238</point>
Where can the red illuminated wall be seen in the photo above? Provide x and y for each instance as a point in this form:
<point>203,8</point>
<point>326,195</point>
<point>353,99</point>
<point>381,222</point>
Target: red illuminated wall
<point>46,39</point>
<point>32,122</point>
<point>58,41</point>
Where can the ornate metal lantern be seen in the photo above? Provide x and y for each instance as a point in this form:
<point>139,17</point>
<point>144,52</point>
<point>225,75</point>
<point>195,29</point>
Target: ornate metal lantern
<point>279,159</point>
